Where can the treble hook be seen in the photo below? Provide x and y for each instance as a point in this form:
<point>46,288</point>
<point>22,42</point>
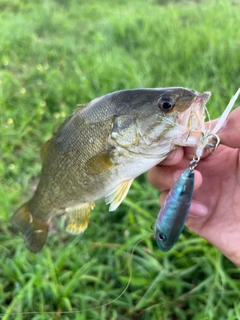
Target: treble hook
<point>205,143</point>
<point>217,138</point>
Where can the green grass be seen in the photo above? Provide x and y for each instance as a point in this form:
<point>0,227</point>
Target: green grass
<point>56,54</point>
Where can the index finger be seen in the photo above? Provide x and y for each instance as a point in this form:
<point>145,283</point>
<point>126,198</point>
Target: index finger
<point>173,157</point>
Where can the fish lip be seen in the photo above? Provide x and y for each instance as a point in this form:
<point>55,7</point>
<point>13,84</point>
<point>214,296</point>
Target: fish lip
<point>196,119</point>
<point>202,98</point>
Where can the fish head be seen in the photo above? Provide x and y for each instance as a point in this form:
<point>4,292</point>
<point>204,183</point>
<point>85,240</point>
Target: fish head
<point>177,117</point>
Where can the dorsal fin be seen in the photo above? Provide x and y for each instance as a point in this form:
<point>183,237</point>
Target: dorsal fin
<point>79,106</point>
<point>47,144</point>
<point>44,148</point>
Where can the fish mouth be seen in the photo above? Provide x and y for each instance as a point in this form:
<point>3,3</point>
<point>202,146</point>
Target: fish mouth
<point>202,98</point>
<point>196,125</point>
<point>192,120</point>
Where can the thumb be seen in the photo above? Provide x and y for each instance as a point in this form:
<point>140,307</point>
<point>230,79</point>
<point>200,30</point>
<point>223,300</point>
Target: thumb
<point>230,133</point>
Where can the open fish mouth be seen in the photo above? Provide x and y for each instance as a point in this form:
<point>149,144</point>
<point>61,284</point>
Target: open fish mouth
<point>195,123</point>
<point>192,120</point>
<point>203,97</point>
<point>196,114</point>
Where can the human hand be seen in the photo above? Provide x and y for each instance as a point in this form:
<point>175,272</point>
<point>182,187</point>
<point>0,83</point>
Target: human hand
<point>215,209</point>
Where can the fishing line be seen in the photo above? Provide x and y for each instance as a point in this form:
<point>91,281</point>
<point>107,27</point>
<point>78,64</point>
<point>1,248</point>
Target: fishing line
<point>87,309</point>
<point>226,112</point>
<point>209,119</point>
<point>221,122</point>
<point>172,123</point>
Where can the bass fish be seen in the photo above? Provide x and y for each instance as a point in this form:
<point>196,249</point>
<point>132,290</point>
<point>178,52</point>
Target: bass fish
<point>99,150</point>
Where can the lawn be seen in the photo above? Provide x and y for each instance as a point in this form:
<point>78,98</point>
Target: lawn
<point>57,54</point>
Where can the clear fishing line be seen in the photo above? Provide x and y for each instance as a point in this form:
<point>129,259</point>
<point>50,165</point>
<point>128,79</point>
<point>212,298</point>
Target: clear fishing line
<point>221,122</point>
<point>6,315</point>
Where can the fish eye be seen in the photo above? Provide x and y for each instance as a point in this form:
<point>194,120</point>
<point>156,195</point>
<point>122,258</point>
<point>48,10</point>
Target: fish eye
<point>161,237</point>
<point>166,104</point>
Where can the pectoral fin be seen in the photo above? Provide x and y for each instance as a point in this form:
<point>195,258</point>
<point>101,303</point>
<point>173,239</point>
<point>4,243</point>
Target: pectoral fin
<point>77,217</point>
<point>99,163</point>
<point>116,195</point>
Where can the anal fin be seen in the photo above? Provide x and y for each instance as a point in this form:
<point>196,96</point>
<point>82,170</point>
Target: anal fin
<point>77,217</point>
<point>116,195</point>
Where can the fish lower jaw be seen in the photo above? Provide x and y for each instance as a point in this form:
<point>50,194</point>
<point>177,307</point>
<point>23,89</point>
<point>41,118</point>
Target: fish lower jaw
<point>191,139</point>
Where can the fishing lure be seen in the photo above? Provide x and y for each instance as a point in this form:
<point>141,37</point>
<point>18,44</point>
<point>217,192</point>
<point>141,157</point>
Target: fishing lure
<point>172,216</point>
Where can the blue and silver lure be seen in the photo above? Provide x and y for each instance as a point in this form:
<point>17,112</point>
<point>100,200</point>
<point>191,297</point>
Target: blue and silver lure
<point>173,214</point>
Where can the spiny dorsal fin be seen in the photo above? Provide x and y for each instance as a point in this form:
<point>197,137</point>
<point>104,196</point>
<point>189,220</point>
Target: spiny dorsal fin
<point>116,195</point>
<point>79,107</point>
<point>45,147</point>
<point>47,144</point>
<point>77,217</point>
